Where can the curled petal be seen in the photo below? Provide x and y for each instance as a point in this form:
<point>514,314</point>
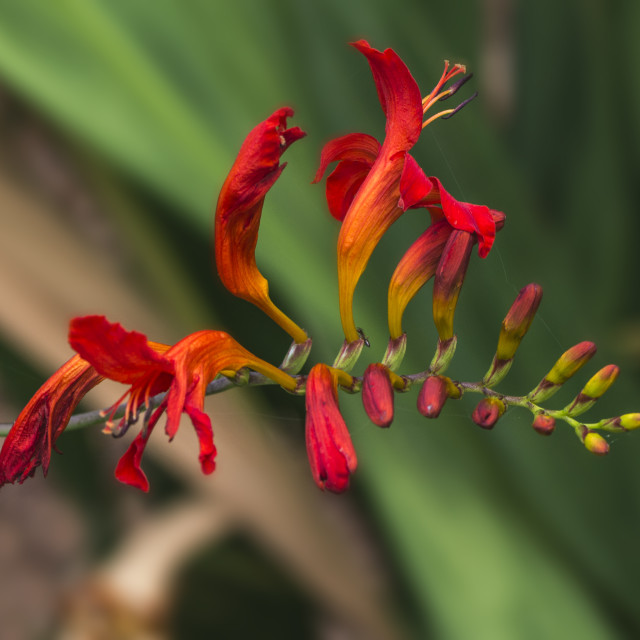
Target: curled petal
<point>329,447</point>
<point>416,190</point>
<point>239,209</point>
<point>356,153</point>
<point>343,184</point>
<point>474,218</point>
<point>34,433</point>
<point>353,147</point>
<point>128,470</point>
<point>116,353</point>
<point>399,96</point>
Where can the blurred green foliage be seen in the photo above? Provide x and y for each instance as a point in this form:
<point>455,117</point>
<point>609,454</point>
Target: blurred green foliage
<point>495,535</point>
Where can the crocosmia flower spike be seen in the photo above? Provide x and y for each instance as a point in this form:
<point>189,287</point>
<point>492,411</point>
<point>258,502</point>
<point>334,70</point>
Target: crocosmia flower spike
<point>370,187</point>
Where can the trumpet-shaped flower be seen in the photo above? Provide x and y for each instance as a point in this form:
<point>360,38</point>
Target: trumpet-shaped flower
<point>374,184</point>
<point>329,447</point>
<point>34,433</point>
<point>239,209</point>
<point>183,370</point>
<point>422,259</point>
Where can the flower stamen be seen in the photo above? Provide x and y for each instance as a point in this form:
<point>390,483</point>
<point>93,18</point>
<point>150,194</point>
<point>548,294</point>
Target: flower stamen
<point>438,94</point>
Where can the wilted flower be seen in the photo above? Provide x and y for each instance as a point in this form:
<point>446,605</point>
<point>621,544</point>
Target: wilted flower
<point>183,370</point>
<point>35,431</point>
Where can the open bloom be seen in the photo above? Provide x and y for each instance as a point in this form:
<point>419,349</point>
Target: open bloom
<point>329,447</point>
<point>374,184</point>
<point>239,210</point>
<point>183,370</point>
<point>427,255</point>
<point>34,433</point>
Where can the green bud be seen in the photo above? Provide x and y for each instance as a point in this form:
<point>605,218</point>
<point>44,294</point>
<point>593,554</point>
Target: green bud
<point>601,381</point>
<point>595,388</point>
<point>570,362</point>
<point>567,365</point>
<point>629,421</point>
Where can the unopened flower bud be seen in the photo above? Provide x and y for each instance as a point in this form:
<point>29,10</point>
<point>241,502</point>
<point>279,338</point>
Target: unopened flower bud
<point>518,320</point>
<point>570,362</point>
<point>432,396</point>
<point>629,421</point>
<point>566,366</point>
<point>377,395</point>
<point>544,424</point>
<point>487,412</point>
<point>601,381</point>
<point>450,274</point>
<point>595,388</point>
<point>329,447</point>
<point>596,444</point>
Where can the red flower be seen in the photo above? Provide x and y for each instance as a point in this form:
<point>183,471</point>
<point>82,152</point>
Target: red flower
<point>34,433</point>
<point>423,259</point>
<point>238,212</point>
<point>184,370</point>
<point>331,453</point>
<point>373,185</point>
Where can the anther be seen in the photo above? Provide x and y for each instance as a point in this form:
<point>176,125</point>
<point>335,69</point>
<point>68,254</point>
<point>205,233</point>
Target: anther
<point>462,104</point>
<point>454,87</point>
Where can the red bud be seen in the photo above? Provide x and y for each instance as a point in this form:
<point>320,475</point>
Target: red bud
<point>377,395</point>
<point>432,396</point>
<point>487,412</point>
<point>544,424</point>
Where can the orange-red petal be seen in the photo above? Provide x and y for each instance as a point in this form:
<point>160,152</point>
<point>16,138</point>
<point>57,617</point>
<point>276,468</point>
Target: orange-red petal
<point>238,212</point>
<point>34,433</point>
<point>474,218</point>
<point>118,354</point>
<point>399,96</point>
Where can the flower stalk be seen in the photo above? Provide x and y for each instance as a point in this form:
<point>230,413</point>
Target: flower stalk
<point>371,186</point>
